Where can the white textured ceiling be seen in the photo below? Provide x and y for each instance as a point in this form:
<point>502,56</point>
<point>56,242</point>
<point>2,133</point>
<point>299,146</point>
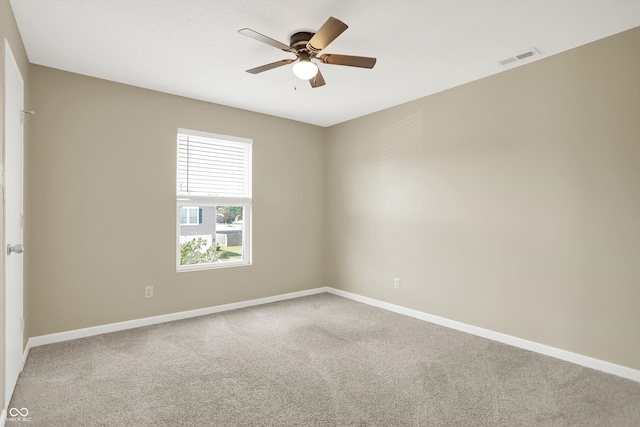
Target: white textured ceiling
<point>191,47</point>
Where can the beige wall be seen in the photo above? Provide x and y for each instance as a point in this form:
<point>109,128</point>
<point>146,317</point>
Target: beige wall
<point>511,203</point>
<point>8,30</point>
<point>101,204</point>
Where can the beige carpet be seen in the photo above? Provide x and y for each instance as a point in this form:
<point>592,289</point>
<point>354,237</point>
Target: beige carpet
<point>315,361</point>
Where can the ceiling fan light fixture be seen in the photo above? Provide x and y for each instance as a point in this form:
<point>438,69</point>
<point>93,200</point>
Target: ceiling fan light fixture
<point>307,46</point>
<point>305,69</point>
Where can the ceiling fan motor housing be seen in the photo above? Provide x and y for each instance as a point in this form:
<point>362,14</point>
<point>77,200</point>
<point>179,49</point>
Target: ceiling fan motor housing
<point>299,40</point>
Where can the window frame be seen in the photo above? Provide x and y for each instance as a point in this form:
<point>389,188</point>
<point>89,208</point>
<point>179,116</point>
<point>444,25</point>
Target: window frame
<point>198,200</point>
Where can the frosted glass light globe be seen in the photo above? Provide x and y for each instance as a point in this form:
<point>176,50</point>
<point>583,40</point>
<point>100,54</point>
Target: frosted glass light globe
<point>305,69</point>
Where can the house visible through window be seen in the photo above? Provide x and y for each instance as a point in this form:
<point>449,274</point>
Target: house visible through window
<point>213,200</point>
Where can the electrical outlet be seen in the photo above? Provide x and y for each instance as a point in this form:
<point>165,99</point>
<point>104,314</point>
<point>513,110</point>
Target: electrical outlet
<point>148,291</point>
<point>396,283</point>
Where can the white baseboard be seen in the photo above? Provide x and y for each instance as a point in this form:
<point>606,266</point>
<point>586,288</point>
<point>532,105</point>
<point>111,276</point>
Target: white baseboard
<point>147,321</point>
<point>25,355</point>
<point>3,417</point>
<point>590,362</point>
<point>579,359</point>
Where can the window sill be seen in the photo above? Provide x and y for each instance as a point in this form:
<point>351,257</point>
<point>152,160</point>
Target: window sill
<point>216,266</point>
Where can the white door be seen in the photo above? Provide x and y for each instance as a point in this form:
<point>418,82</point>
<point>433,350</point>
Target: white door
<point>12,250</point>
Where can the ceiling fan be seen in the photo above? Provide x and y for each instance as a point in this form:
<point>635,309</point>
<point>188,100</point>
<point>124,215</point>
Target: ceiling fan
<point>306,47</point>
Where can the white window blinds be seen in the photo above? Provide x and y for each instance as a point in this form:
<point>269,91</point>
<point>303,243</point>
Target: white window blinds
<point>212,166</point>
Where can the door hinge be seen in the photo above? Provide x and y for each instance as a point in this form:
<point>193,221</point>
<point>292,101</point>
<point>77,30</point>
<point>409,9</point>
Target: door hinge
<point>22,113</point>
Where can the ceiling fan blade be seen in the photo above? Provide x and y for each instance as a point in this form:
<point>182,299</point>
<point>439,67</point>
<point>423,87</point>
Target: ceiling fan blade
<point>317,80</point>
<point>264,39</point>
<point>271,66</point>
<point>351,61</point>
<point>326,34</point>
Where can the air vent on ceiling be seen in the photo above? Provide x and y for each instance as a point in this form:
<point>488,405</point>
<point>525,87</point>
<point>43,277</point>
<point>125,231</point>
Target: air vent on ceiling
<point>520,57</point>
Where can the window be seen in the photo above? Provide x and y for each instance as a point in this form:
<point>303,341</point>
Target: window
<point>190,215</point>
<point>213,201</point>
